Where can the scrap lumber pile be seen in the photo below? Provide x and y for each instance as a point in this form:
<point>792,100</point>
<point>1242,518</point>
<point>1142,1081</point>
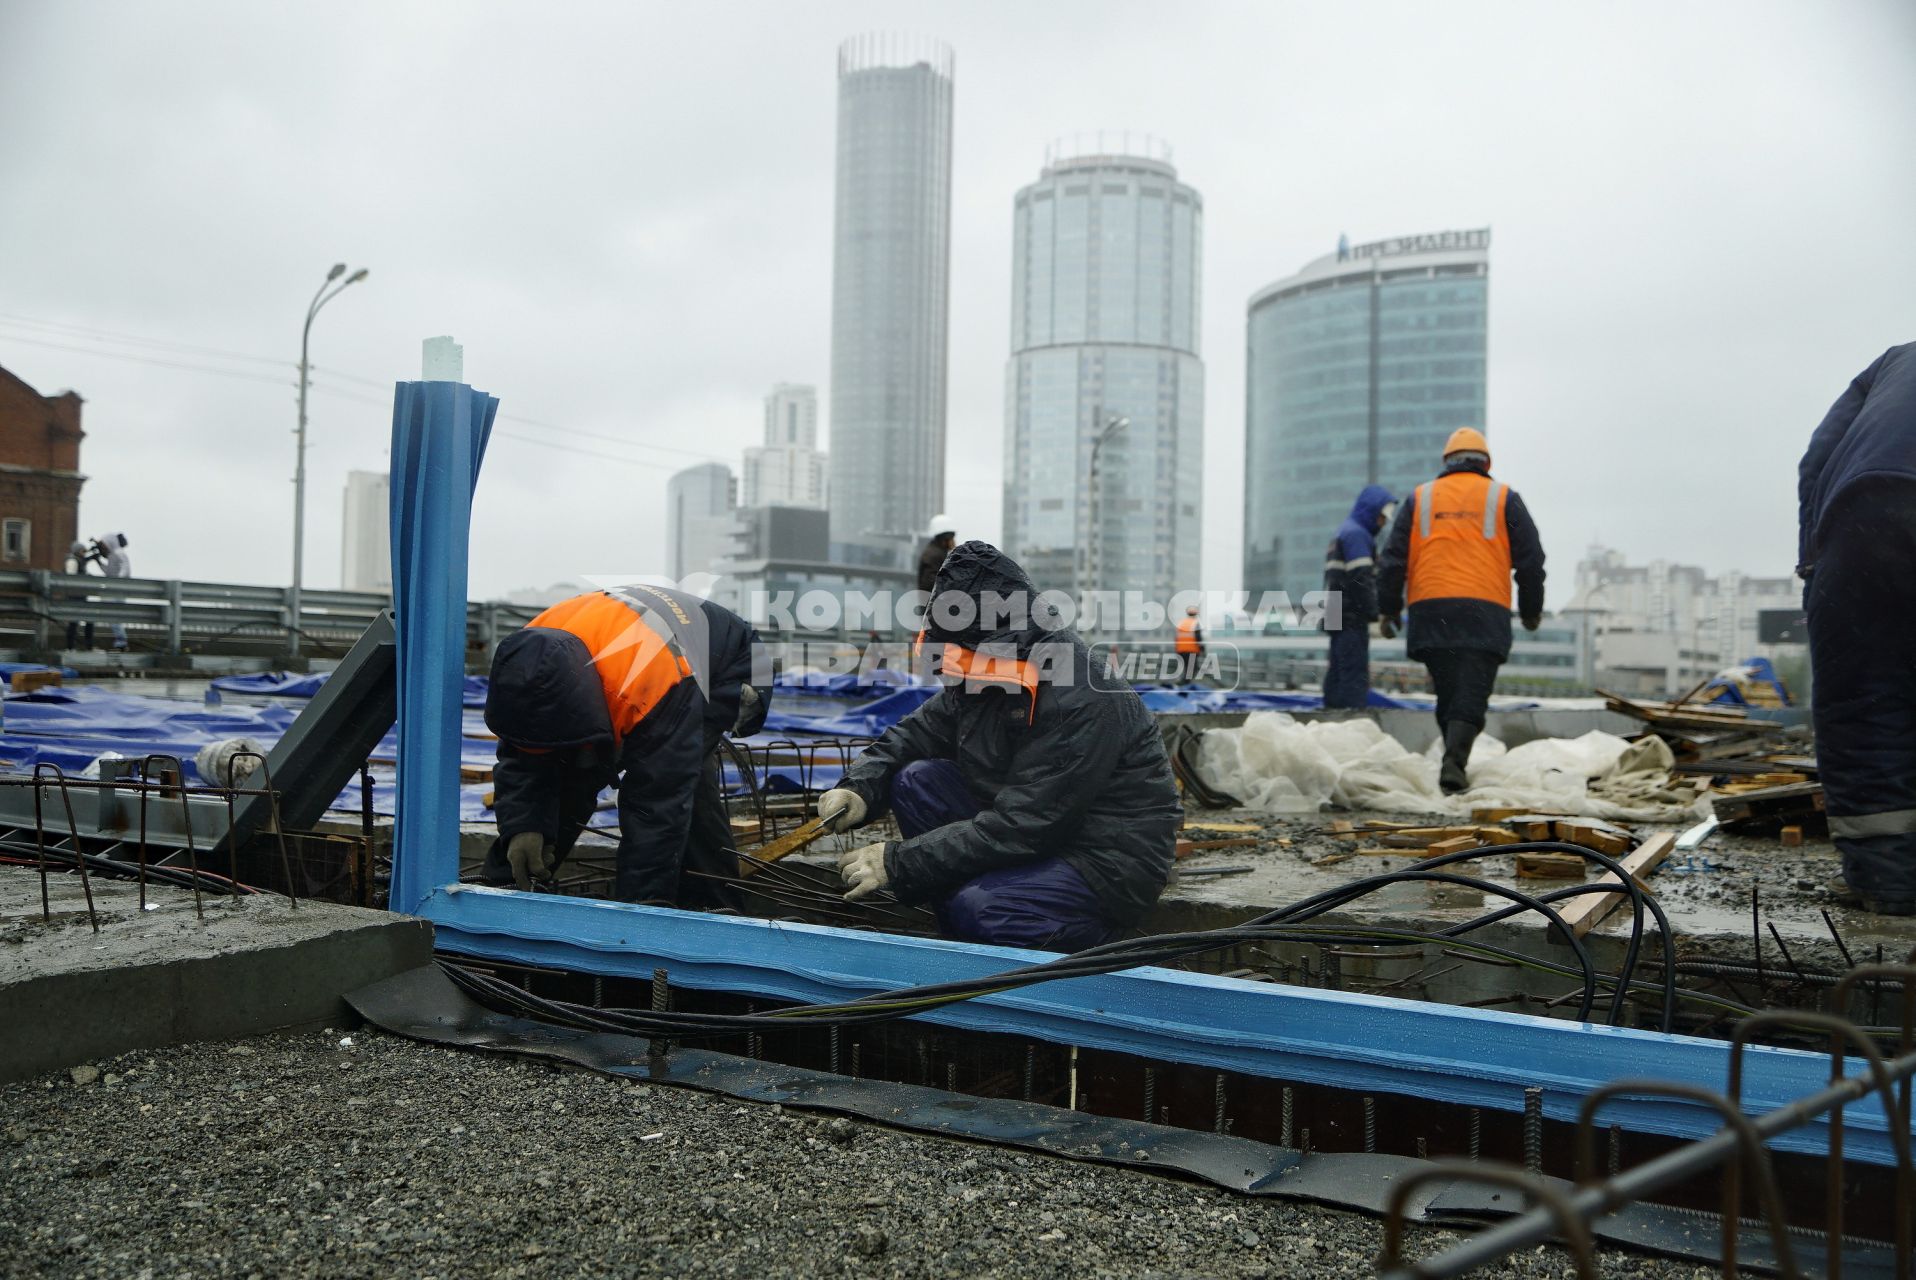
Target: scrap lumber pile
<point>1489,829</point>
<point>1760,783</point>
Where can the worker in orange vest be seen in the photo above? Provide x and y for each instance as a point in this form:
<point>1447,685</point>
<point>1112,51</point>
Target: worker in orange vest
<point>1189,644</point>
<point>1453,548</point>
<point>633,685</point>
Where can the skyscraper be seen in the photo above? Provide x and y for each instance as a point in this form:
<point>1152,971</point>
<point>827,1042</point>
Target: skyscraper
<point>365,545</point>
<point>700,502</point>
<point>1358,368</point>
<point>787,470</point>
<point>891,271</point>
<point>1104,403</point>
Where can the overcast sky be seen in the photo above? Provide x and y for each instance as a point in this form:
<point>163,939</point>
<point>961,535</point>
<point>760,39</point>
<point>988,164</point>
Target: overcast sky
<point>1704,223</point>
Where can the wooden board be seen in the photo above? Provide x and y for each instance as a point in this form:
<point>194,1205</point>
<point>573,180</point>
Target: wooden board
<point>751,860</point>
<point>1247,827</point>
<point>1586,911</point>
<point>1550,866</point>
<point>1594,835</point>
<point>1456,844</point>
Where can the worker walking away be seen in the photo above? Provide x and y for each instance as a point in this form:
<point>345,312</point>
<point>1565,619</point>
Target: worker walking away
<point>1453,547</point>
<point>938,544</point>
<point>636,685</point>
<point>1350,574</point>
<point>1032,791</point>
<point>1189,645</point>
<point>1857,556</point>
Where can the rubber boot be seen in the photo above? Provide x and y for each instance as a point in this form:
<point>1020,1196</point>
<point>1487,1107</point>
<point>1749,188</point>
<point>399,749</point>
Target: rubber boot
<point>1458,738</point>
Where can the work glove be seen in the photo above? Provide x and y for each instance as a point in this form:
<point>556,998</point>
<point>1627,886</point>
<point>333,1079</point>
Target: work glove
<point>751,713</point>
<point>842,809</point>
<point>1387,628</point>
<point>531,858</point>
<point>1531,624</point>
<point>864,870</point>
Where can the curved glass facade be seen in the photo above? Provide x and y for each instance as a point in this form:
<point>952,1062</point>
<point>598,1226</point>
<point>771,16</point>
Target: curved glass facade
<point>1106,255</point>
<point>1357,370</point>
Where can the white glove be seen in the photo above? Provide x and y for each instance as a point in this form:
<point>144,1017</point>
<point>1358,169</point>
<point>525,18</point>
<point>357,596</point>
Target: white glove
<point>531,859</point>
<point>864,870</point>
<point>842,808</point>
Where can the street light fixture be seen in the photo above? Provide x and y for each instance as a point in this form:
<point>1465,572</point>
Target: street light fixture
<point>326,293</point>
<point>1112,426</point>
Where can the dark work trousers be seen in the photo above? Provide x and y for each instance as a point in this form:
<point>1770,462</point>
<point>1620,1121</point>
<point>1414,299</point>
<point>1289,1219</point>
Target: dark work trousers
<point>1044,904</point>
<point>1463,679</point>
<point>1347,678</point>
<point>709,846</point>
<point>1863,672</point>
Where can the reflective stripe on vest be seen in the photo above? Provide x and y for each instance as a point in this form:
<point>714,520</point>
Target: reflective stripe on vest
<point>638,657</point>
<point>1893,822</point>
<point>1461,548</point>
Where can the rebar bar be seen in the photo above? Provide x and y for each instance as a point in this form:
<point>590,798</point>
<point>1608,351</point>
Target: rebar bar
<point>1533,1129</point>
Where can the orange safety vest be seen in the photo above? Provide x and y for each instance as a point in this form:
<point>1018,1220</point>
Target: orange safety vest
<point>1460,547</point>
<point>1187,641</point>
<point>976,668</point>
<point>634,645</point>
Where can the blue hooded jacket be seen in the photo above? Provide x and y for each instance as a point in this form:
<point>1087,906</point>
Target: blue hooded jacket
<point>1870,430</point>
<point>1350,564</point>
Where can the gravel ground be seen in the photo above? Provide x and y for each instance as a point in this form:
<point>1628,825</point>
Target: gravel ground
<point>365,1155</point>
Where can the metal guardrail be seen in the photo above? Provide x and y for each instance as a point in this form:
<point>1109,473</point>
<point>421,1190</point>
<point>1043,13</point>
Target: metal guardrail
<point>43,612</point>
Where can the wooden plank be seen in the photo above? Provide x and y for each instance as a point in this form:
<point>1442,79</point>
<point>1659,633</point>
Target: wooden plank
<point>1586,911</point>
<point>1793,835</point>
<point>1222,826</point>
<point>1185,848</point>
<point>1551,866</point>
<point>1494,814</point>
<point>1456,844</point>
<point>1592,835</point>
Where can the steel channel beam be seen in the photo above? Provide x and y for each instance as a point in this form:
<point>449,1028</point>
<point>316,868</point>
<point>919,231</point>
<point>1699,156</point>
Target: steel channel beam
<point>1471,1057</point>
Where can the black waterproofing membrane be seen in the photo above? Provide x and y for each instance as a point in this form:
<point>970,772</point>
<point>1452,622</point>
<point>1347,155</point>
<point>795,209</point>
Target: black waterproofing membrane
<point>423,1004</point>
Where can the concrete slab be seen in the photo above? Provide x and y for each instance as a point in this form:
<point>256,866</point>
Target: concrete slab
<point>163,976</point>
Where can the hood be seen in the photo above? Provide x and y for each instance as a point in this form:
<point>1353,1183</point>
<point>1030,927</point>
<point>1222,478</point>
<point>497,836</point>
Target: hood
<point>973,570</point>
<point>545,693</point>
<point>1369,504</point>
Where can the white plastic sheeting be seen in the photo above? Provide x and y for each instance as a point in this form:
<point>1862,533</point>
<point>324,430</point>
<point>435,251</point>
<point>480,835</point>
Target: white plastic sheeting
<point>1278,764</point>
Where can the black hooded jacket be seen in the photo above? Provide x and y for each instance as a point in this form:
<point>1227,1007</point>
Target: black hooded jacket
<point>1076,770</point>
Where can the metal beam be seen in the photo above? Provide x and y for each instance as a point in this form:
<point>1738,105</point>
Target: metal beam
<point>1472,1057</point>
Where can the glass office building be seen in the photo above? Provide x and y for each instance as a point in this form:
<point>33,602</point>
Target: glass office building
<point>1357,369</point>
<point>891,274</point>
<point>1104,327</point>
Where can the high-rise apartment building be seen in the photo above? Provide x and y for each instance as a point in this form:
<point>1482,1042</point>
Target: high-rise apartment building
<point>699,501</point>
<point>788,470</point>
<point>891,271</point>
<point>365,546</point>
<point>1104,403</point>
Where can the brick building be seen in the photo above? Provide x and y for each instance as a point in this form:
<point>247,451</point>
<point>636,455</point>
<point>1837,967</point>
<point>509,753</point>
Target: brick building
<point>39,475</point>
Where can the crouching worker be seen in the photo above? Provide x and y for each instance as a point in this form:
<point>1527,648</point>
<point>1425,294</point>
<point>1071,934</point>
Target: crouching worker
<point>635,685</point>
<point>1033,792</point>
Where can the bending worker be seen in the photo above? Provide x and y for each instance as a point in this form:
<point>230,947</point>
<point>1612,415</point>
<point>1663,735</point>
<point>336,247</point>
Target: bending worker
<point>1033,792</point>
<point>1455,543</point>
<point>635,685</point>
<point>1350,571</point>
<point>1857,556</point>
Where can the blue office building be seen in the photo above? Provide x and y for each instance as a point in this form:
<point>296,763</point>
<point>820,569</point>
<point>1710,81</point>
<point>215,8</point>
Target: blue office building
<point>1357,369</point>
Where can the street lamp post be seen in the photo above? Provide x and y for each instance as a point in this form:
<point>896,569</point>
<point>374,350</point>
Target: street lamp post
<point>327,292</point>
<point>1112,426</point>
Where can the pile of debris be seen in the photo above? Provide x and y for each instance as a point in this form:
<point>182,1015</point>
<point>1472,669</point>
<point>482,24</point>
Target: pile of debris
<point>1762,780</point>
<point>1490,830</point>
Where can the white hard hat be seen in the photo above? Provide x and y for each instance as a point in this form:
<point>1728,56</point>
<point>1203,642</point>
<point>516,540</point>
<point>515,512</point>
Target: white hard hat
<point>940,523</point>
